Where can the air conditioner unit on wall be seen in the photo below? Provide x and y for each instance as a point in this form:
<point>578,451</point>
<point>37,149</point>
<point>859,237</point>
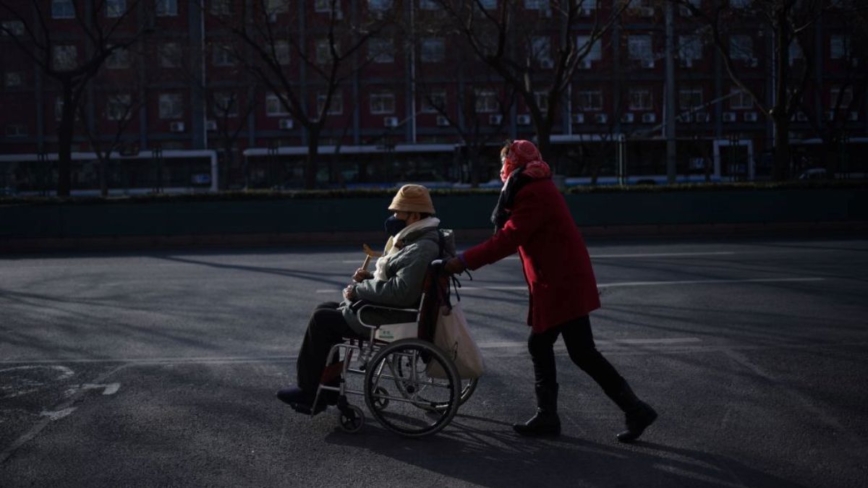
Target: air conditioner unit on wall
<point>176,127</point>
<point>750,117</point>
<point>601,118</point>
<point>285,124</point>
<point>390,121</point>
<point>649,118</point>
<point>495,119</point>
<point>578,118</point>
<point>627,118</point>
<point>729,117</point>
<point>523,120</point>
<point>442,121</point>
<point>210,125</point>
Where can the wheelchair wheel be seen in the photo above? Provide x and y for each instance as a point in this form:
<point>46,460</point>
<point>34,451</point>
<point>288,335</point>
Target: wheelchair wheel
<point>352,419</point>
<point>414,412</point>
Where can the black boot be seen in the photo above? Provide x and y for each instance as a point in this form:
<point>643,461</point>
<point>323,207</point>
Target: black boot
<point>638,414</point>
<point>546,421</point>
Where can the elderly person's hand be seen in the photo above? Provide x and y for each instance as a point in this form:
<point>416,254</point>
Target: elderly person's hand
<point>350,292</point>
<point>362,274</point>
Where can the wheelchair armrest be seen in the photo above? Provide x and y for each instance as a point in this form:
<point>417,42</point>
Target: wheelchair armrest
<point>360,305</point>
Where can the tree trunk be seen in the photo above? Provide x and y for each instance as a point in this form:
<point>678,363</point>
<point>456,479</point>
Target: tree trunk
<point>310,162</point>
<point>64,140</point>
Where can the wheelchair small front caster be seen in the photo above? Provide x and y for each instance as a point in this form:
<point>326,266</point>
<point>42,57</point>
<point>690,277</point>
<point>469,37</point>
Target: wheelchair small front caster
<point>352,419</point>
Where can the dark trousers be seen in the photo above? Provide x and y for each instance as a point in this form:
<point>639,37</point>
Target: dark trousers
<point>326,328</point>
<point>580,344</point>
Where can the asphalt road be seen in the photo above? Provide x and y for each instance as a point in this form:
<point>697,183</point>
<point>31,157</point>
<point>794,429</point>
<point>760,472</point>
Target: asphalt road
<point>160,369</point>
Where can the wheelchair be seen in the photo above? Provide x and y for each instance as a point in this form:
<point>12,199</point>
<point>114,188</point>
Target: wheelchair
<point>410,385</point>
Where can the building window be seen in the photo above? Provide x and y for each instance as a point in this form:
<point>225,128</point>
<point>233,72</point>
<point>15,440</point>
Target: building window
<point>115,8</point>
<point>171,106</point>
<point>596,51</point>
<point>846,97</point>
<point>839,47</point>
<point>382,103</point>
<point>381,50</point>
<point>536,4</point>
<point>222,55</point>
<point>16,130</point>
<point>324,51</point>
<point>281,52</point>
<point>639,48</point>
<point>641,100</point>
<point>274,106</point>
<point>225,105</point>
<point>590,101</point>
<point>541,51</point>
<point>62,9</point>
<point>119,59</point>
<point>273,7</point>
<point>118,107</point>
<point>335,108</point>
<point>64,57</point>
<point>741,47</point>
<point>221,7</point>
<point>325,7</point>
<point>689,98</point>
<point>379,5</point>
<point>167,8</point>
<point>433,50</point>
<point>740,100</point>
<point>13,79</point>
<point>689,49</point>
<point>169,54</point>
<point>434,102</point>
<point>12,28</point>
<point>486,101</point>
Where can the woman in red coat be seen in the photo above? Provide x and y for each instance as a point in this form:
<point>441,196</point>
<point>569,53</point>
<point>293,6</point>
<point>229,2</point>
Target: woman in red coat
<point>531,217</point>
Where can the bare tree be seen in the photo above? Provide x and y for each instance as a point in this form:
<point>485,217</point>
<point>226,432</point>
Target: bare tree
<point>290,62</point>
<point>99,32</point>
<point>789,22</point>
<point>537,56</point>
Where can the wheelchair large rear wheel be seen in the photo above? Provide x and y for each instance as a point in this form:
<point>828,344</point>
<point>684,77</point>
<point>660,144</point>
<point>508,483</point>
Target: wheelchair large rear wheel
<point>414,404</point>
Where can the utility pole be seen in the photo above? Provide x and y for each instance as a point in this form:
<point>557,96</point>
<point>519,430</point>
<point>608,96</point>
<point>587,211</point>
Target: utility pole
<point>669,107</point>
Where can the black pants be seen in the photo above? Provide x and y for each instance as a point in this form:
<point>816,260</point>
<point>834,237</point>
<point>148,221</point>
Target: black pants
<point>326,328</point>
<point>580,344</point>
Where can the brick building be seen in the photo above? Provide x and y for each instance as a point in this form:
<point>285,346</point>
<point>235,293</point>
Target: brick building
<point>410,101</point>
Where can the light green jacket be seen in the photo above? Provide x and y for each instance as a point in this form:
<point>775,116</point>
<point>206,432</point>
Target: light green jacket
<point>406,271</point>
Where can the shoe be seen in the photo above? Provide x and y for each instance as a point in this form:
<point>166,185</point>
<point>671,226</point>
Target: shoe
<point>543,424</point>
<point>302,401</point>
<point>637,421</point>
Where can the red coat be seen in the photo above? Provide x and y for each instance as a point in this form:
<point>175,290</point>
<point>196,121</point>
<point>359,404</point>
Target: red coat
<point>557,267</point>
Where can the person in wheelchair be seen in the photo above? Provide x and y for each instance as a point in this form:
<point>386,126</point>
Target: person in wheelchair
<point>415,241</point>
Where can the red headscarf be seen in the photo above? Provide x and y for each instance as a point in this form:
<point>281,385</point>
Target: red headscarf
<point>523,153</point>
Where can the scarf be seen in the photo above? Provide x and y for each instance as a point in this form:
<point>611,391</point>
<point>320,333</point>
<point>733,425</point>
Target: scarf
<point>535,170</point>
<point>396,243</point>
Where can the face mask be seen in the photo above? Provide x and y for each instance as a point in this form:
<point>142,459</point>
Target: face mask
<point>394,225</point>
